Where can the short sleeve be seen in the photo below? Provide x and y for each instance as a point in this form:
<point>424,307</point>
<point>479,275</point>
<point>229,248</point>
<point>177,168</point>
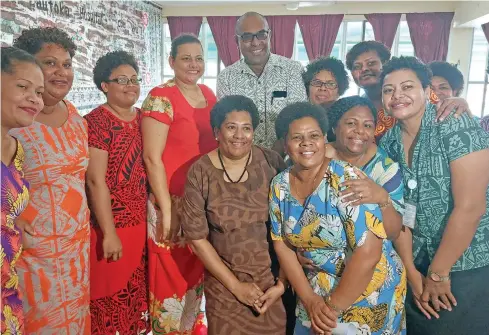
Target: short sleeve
<point>275,212</point>
<point>357,220</point>
<point>462,136</point>
<point>193,219</point>
<point>158,106</point>
<point>391,180</point>
<point>98,134</point>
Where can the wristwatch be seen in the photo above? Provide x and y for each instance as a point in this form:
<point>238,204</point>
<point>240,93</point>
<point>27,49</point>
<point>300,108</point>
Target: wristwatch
<point>436,277</point>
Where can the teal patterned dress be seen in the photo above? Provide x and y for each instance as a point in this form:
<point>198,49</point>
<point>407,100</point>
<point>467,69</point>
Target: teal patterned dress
<point>329,231</point>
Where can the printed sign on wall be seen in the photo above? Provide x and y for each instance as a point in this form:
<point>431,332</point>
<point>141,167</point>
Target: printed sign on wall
<point>96,27</point>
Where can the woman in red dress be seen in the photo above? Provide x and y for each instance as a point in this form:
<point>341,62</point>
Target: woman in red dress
<point>176,132</point>
<point>117,190</point>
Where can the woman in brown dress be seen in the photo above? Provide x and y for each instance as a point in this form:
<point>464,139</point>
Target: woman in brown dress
<point>225,217</point>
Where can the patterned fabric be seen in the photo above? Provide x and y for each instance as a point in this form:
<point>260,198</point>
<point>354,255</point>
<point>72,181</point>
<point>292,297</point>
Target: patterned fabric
<point>280,75</point>
<point>175,273</point>
<point>118,290</point>
<point>53,269</point>
<point>484,122</point>
<point>15,196</point>
<point>234,219</point>
<point>386,122</point>
<point>440,143</point>
<point>386,173</point>
<point>329,231</point>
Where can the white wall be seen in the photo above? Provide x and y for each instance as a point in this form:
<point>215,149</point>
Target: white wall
<point>460,50</point>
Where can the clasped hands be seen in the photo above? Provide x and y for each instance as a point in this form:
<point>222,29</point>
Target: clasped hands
<point>430,296</point>
<point>251,295</point>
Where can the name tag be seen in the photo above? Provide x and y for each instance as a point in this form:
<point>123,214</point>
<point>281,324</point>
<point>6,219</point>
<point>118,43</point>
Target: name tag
<point>409,217</point>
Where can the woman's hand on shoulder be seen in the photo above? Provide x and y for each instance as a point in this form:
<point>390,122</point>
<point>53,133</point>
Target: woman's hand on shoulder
<point>363,191</point>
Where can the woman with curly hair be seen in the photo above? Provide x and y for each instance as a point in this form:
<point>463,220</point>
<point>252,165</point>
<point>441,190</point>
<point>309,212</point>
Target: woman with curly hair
<point>447,80</point>
<point>117,193</point>
<point>53,270</point>
<point>325,80</point>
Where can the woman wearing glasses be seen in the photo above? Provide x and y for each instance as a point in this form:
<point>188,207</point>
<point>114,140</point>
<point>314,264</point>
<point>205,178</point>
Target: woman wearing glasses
<point>176,132</point>
<point>117,194</point>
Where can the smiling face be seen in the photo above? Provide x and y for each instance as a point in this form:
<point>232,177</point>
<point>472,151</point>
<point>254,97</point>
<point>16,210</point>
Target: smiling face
<point>305,143</point>
<point>323,94</point>
<point>235,135</point>
<point>188,64</point>
<point>255,52</point>
<point>442,88</point>
<point>58,72</point>
<point>22,91</point>
<point>355,131</point>
<point>366,69</point>
<point>122,95</point>
<point>403,95</point>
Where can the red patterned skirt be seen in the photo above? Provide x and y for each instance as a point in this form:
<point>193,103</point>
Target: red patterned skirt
<point>119,290</point>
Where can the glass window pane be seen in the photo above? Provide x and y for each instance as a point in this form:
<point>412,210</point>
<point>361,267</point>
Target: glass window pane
<point>486,103</point>
<point>353,33</point>
<point>475,92</point>
<point>212,83</point>
<point>405,45</point>
<point>166,48</point>
<point>478,62</point>
<point>353,89</point>
<point>336,51</point>
<point>369,32</point>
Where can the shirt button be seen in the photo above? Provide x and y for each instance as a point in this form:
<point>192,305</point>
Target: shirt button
<point>259,82</point>
<point>261,121</point>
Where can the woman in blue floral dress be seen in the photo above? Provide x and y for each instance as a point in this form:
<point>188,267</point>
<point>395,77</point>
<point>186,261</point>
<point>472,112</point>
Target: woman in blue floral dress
<point>357,279</point>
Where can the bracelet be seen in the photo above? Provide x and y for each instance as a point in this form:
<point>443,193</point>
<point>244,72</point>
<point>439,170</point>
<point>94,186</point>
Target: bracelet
<point>386,204</point>
<point>333,306</point>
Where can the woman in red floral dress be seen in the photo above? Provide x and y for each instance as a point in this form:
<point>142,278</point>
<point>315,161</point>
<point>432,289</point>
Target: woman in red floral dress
<point>117,190</point>
<point>176,132</point>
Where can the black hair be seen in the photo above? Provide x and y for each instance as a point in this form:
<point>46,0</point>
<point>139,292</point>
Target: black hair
<point>232,103</point>
<point>32,40</point>
<point>451,73</point>
<point>11,55</point>
<point>360,48</point>
<point>343,105</point>
<point>331,64</point>
<point>110,61</point>
<point>298,111</point>
<point>422,71</point>
<point>183,39</point>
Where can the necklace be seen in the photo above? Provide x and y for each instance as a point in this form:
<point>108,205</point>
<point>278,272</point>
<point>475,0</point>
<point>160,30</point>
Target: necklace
<point>297,190</point>
<point>226,173</point>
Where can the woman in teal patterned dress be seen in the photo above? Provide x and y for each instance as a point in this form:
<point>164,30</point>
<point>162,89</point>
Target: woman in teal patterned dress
<point>357,278</point>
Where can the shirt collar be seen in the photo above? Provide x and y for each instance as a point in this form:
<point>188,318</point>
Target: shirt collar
<point>273,60</point>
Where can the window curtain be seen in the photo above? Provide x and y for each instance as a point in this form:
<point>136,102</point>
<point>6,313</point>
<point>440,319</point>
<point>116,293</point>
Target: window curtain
<point>430,33</point>
<point>384,26</point>
<point>319,33</point>
<point>223,30</point>
<point>184,24</point>
<point>283,32</point>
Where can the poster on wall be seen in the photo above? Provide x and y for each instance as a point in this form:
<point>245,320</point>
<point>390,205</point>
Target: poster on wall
<point>96,27</point>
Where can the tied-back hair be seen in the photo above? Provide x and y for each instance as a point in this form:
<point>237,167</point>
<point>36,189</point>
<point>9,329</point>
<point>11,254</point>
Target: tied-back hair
<point>12,55</point>
<point>183,39</point>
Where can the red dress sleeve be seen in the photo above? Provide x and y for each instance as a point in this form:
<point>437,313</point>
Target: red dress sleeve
<point>98,133</point>
<point>158,106</point>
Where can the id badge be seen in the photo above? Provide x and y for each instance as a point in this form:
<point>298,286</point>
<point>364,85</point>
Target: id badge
<point>409,217</point>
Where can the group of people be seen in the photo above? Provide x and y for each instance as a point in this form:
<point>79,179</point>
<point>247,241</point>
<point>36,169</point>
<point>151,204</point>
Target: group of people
<point>276,207</point>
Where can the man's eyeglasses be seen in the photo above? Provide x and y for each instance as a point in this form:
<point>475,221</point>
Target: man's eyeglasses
<point>126,81</point>
<point>248,37</point>
<point>330,85</point>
